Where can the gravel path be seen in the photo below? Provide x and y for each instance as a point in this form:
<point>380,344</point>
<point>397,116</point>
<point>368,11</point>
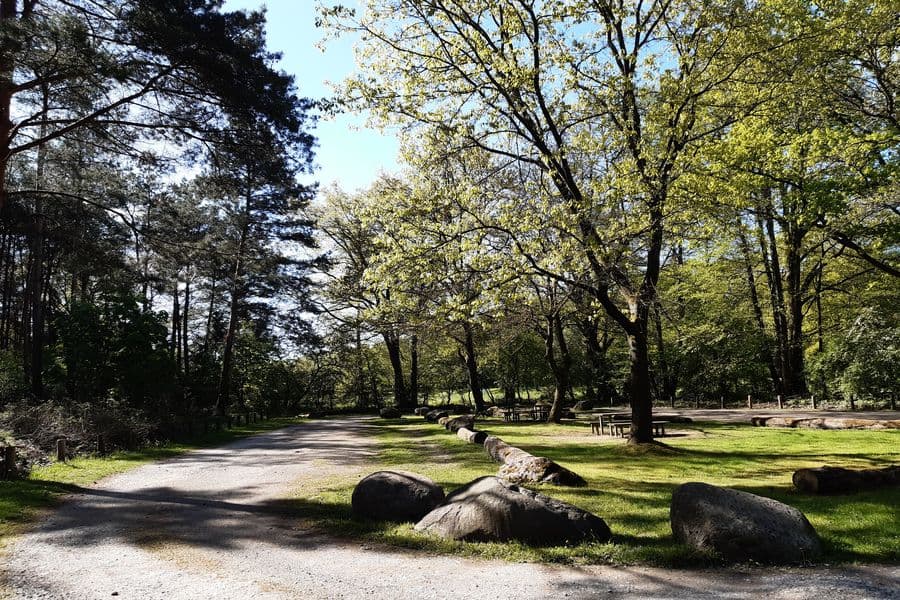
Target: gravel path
<point>209,525</point>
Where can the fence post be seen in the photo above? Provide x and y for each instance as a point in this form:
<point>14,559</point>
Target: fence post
<point>852,401</point>
<point>61,449</point>
<point>749,401</point>
<point>780,401</point>
<point>814,403</point>
<point>721,401</point>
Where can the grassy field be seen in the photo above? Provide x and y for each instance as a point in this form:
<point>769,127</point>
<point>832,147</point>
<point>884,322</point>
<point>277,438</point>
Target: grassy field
<point>22,501</point>
<point>631,488</point>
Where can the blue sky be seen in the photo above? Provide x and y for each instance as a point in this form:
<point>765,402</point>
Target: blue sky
<point>348,153</point>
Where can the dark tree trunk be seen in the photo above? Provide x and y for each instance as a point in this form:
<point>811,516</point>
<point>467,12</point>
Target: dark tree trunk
<point>796,234</point>
<point>768,355</point>
<point>185,357</point>
<point>472,368</point>
<point>392,342</point>
<point>765,226</point>
<point>175,348</point>
<point>360,383</point>
<point>36,286</point>
<point>639,386</point>
<point>228,355</point>
<point>228,351</point>
<point>560,361</point>
<point>36,296</point>
<point>209,314</point>
<point>414,371</point>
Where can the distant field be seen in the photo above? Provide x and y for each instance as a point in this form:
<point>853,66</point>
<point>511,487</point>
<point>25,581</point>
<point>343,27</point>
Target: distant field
<point>631,489</point>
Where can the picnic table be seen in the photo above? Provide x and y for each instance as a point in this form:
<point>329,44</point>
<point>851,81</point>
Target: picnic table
<point>619,424</point>
<point>538,412</point>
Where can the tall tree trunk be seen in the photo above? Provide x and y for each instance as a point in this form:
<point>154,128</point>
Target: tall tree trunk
<point>768,355</point>
<point>769,253</point>
<point>234,307</point>
<point>228,354</point>
<point>472,367</point>
<point>414,371</point>
<point>209,315</point>
<point>175,347</point>
<point>795,237</point>
<point>360,384</point>
<point>6,315</point>
<point>36,286</point>
<point>392,342</point>
<point>639,385</point>
<point>560,361</point>
<point>185,322</point>
<point>8,14</point>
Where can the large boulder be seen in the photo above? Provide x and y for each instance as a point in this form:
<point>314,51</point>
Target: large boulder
<point>473,437</point>
<point>741,526</point>
<point>395,496</point>
<point>491,510</point>
<point>500,451</point>
<point>432,416</point>
<point>454,424</point>
<point>389,412</point>
<point>538,469</point>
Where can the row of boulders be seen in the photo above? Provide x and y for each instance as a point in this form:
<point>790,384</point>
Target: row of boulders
<point>516,465</point>
<point>825,423</point>
<point>487,509</point>
<point>838,480</point>
<point>736,525</point>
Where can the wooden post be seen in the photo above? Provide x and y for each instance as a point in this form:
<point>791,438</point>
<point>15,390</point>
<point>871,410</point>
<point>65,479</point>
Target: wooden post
<point>101,445</point>
<point>721,401</point>
<point>812,399</point>
<point>852,401</point>
<point>9,462</point>
<point>780,401</point>
<point>749,401</point>
<point>61,449</point>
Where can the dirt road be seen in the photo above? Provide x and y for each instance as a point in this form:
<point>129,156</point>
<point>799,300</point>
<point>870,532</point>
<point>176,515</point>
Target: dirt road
<point>210,524</point>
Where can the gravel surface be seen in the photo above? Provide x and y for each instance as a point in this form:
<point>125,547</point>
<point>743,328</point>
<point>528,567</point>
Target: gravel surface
<point>210,524</point>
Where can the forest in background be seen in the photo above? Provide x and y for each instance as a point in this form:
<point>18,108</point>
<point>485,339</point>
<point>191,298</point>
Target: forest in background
<point>700,206</point>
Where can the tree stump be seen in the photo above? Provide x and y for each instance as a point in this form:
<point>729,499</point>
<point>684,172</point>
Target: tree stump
<point>61,450</point>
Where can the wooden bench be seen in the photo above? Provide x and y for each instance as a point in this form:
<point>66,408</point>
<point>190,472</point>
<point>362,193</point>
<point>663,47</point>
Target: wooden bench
<point>597,427</point>
<point>620,428</point>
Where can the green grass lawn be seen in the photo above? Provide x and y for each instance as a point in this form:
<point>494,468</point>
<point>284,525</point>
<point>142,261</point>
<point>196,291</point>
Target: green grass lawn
<point>631,488</point>
<point>21,501</point>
